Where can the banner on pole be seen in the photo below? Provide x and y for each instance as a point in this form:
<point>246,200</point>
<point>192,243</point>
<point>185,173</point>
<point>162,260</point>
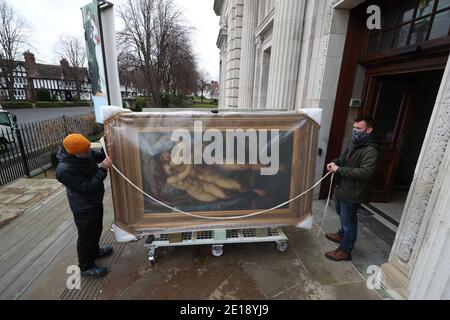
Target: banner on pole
<point>95,57</point>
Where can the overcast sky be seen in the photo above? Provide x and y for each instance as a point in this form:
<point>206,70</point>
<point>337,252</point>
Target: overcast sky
<point>50,18</point>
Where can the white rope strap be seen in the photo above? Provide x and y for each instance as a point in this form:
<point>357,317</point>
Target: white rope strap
<point>327,204</point>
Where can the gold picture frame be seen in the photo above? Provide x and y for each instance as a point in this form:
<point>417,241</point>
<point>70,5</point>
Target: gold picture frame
<point>122,137</point>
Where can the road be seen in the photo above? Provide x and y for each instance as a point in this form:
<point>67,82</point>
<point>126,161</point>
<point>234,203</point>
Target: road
<point>33,115</point>
<point>10,162</point>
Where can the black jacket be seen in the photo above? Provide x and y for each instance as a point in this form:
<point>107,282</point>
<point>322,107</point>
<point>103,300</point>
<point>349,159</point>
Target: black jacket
<point>83,179</point>
<point>354,178</point>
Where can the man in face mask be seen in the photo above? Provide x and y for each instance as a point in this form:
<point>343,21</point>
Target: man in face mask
<point>354,172</point>
<point>82,171</point>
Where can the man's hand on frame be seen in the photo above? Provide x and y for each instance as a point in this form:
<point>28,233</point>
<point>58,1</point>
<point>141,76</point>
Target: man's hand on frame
<point>107,163</point>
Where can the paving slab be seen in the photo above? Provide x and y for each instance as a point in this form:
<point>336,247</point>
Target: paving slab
<point>244,272</point>
<point>17,197</point>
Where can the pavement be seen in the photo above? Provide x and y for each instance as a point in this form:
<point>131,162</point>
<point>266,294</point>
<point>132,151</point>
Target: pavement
<point>23,194</point>
<point>38,247</point>
<point>40,114</point>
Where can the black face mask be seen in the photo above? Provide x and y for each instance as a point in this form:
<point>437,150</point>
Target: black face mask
<point>358,135</point>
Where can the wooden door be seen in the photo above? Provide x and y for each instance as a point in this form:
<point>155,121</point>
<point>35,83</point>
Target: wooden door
<point>390,102</point>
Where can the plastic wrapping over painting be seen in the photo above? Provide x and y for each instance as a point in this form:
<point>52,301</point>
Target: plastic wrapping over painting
<point>210,170</point>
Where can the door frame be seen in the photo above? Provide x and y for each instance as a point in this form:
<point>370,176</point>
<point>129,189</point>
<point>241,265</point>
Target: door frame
<point>389,153</point>
<point>400,63</point>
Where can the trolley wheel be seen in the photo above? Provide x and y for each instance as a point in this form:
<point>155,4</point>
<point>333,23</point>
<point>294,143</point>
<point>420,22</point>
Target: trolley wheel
<point>217,251</point>
<point>152,255</point>
<point>282,246</point>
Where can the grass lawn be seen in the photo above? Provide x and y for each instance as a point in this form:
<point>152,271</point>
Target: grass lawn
<point>204,105</point>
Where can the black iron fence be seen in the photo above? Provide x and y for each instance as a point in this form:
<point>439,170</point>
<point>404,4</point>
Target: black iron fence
<point>28,149</point>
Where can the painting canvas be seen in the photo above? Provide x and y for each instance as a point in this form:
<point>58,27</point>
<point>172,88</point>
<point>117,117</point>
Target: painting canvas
<point>219,187</point>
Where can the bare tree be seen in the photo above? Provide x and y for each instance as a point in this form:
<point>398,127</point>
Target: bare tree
<point>12,43</point>
<point>214,90</point>
<point>156,39</point>
<point>72,50</point>
<point>181,75</point>
<point>127,71</point>
<point>203,81</point>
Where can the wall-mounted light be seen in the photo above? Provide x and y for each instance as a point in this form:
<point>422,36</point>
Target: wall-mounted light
<point>355,103</point>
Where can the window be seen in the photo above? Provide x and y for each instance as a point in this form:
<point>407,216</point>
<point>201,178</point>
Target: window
<point>4,119</point>
<point>409,22</point>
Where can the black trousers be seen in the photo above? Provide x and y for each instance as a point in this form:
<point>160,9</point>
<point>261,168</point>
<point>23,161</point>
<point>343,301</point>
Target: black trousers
<point>90,225</point>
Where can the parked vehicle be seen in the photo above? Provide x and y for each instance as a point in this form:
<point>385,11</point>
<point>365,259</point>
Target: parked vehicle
<point>7,123</point>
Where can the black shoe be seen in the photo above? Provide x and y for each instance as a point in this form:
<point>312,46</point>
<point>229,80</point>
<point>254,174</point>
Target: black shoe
<point>104,252</point>
<point>95,272</point>
<point>150,239</point>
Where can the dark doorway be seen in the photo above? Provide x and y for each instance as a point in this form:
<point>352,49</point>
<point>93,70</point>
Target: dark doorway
<point>68,95</point>
<point>401,106</point>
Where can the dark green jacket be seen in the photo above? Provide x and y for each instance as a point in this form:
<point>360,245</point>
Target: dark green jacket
<point>354,178</point>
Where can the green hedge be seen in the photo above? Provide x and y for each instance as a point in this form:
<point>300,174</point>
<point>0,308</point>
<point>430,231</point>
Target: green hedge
<point>141,102</point>
<point>46,104</point>
<point>43,104</point>
<point>16,104</point>
<point>44,94</point>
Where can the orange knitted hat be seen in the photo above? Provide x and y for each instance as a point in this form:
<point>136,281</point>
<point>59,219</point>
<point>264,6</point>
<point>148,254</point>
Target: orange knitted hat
<point>76,143</point>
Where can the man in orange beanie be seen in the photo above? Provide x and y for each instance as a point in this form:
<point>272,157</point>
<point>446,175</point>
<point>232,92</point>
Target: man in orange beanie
<point>82,171</point>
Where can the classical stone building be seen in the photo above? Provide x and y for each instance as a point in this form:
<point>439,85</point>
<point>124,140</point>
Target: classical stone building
<point>293,54</point>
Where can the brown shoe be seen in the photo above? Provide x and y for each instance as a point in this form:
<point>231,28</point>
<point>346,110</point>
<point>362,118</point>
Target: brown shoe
<point>338,255</point>
<point>335,237</point>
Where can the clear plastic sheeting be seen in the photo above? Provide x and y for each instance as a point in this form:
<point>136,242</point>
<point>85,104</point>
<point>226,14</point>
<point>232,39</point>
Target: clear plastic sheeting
<point>121,235</point>
<point>197,170</point>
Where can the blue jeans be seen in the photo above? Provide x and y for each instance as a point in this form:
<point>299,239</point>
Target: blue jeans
<point>347,212</point>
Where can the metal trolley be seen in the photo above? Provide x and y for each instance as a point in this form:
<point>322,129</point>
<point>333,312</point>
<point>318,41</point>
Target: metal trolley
<point>217,239</point>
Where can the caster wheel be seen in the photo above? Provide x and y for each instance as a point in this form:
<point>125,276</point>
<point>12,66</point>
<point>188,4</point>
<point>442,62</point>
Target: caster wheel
<point>282,246</point>
<point>217,251</point>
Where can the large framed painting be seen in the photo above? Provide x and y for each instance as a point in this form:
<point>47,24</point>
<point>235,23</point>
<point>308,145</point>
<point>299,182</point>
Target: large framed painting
<point>210,170</point>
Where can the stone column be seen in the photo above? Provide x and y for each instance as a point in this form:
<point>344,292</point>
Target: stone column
<point>234,52</point>
<point>222,45</point>
<point>248,52</point>
<point>431,275</point>
<point>285,56</point>
<point>422,204</point>
<point>257,76</point>
<point>223,70</point>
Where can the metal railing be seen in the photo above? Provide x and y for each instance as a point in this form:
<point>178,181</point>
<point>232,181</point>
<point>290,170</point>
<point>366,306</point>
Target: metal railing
<point>27,149</point>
